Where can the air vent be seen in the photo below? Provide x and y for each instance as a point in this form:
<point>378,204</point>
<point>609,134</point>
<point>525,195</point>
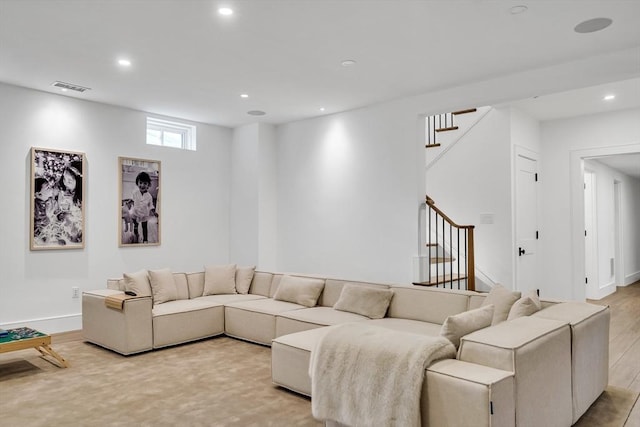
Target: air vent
<point>70,86</point>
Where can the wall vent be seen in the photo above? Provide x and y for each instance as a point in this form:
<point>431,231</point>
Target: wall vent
<point>70,86</point>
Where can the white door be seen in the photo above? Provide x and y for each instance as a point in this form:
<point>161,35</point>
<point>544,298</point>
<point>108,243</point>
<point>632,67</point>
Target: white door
<point>526,223</point>
<point>590,237</point>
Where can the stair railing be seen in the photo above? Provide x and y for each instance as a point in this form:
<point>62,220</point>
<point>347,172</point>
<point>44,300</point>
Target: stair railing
<point>443,233</point>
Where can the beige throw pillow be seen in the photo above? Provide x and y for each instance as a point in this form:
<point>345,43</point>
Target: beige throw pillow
<point>370,302</point>
<point>244,275</point>
<point>502,300</point>
<point>220,279</point>
<point>525,306</point>
<point>459,325</point>
<point>137,282</point>
<point>163,286</point>
<point>300,290</point>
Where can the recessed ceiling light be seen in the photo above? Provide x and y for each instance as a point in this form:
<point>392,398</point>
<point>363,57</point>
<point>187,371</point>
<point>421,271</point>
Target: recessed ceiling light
<point>226,11</point>
<point>124,62</point>
<point>516,10</point>
<point>244,95</point>
<point>64,89</point>
<point>609,97</point>
<point>256,113</point>
<point>321,108</point>
<point>348,63</point>
<point>592,25</point>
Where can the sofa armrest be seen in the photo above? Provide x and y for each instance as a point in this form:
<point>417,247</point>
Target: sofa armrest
<point>126,332</point>
<point>538,352</point>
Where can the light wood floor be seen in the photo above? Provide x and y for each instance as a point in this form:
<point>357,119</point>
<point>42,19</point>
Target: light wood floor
<point>624,342</point>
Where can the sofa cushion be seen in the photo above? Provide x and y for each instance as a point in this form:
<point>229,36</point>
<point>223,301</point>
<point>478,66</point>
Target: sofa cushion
<point>163,286</point>
<point>220,279</point>
<point>525,306</point>
<point>502,299</point>
<point>408,325</point>
<point>138,282</point>
<point>182,285</point>
<point>244,275</point>
<point>459,325</point>
<point>299,290</point>
<point>369,302</point>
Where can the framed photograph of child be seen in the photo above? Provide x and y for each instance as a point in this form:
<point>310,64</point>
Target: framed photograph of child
<point>138,202</point>
<point>57,199</point>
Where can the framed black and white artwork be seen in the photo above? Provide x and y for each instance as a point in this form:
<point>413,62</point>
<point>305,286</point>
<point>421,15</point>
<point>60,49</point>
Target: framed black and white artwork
<point>57,199</point>
<point>139,202</point>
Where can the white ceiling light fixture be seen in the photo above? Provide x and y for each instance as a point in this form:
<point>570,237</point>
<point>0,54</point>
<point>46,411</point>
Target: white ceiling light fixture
<point>321,108</point>
<point>123,62</point>
<point>592,25</point>
<point>244,95</point>
<point>348,63</point>
<point>225,11</point>
<point>609,97</point>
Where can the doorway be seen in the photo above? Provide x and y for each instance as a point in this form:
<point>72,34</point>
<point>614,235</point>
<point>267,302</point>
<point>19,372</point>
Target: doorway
<point>590,235</point>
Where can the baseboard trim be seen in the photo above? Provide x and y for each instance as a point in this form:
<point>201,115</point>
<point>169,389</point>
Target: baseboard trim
<point>631,278</point>
<point>50,325</point>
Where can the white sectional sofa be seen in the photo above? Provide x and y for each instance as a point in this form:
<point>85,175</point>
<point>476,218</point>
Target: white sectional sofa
<point>545,368</point>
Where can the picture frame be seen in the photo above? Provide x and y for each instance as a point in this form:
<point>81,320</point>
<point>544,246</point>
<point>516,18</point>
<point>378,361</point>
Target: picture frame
<point>138,202</point>
<point>57,199</point>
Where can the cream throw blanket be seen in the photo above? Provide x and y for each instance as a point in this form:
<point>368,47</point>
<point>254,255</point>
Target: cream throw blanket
<point>363,375</point>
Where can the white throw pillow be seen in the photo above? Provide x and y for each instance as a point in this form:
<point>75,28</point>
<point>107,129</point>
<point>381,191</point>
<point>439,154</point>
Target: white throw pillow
<point>370,302</point>
<point>525,306</point>
<point>502,299</point>
<point>163,286</point>
<point>244,275</point>
<point>220,279</point>
<point>459,325</point>
<point>137,282</point>
<point>300,290</point>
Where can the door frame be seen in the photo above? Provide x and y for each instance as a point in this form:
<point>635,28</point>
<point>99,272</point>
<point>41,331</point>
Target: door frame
<point>591,230</point>
<point>576,171</point>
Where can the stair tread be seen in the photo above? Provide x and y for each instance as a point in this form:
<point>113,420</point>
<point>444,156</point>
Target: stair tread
<point>447,129</point>
<point>468,110</point>
<point>442,279</point>
<point>432,145</point>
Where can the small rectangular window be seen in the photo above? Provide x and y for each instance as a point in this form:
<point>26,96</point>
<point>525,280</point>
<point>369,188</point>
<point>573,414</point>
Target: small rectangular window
<point>171,134</point>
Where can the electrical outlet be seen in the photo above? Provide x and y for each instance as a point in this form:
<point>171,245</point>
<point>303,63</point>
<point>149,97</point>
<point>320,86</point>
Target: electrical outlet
<point>75,292</point>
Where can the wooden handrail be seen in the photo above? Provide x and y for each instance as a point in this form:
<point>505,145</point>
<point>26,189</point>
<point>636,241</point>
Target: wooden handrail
<point>433,206</point>
<point>441,241</point>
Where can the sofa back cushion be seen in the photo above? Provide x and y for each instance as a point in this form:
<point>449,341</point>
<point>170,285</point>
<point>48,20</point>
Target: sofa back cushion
<point>195,283</point>
<point>428,305</point>
<point>364,300</point>
<point>461,324</point>
<point>502,299</point>
<point>333,288</point>
<point>163,286</point>
<point>261,283</point>
<point>299,290</point>
<point>244,276</point>
<point>220,279</point>
<point>138,282</point>
<point>116,284</point>
<point>182,288</point>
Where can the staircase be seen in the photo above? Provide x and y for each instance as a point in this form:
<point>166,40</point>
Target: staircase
<point>442,123</point>
<point>449,251</point>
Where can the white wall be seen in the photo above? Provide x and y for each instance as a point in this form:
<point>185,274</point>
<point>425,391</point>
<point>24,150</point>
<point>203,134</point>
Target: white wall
<point>253,208</point>
<point>563,143</point>
<point>194,203</point>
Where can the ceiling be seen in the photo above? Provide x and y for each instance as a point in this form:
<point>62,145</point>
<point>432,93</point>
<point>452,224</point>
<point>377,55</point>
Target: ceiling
<point>190,62</point>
